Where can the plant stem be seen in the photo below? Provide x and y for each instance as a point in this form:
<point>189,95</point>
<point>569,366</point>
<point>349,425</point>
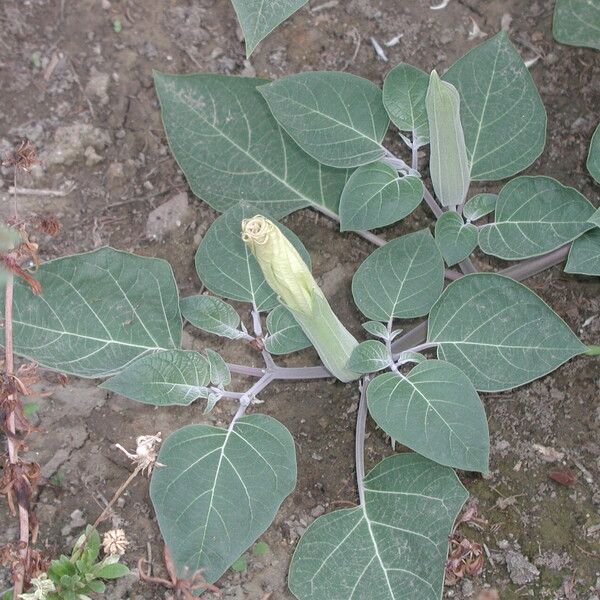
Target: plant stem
<point>432,203</point>
<point>13,451</point>
<point>246,398</point>
<point>359,448</point>
<point>244,370</point>
<point>592,351</point>
<point>415,153</point>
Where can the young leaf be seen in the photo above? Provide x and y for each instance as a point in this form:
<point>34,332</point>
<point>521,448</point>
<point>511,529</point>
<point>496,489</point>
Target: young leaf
<point>338,118</point>
<point>499,332</point>
<point>220,490</point>
<point>455,239</point>
<point>226,266</point>
<point>391,548</point>
<point>479,206</point>
<point>448,162</point>
<point>534,215</point>
<point>211,314</point>
<point>401,279</point>
<point>577,23</point>
<point>593,160</point>
<point>113,571</point>
<point>231,148</point>
<point>435,411</point>
<point>368,357</point>
<point>98,312</point>
<point>404,90</point>
<point>285,335</point>
<point>258,18</point>
<point>376,329</point>
<point>502,114</point>
<point>163,378</point>
<point>584,255</point>
<point>219,371</point>
<point>408,356</point>
<point>376,196</point>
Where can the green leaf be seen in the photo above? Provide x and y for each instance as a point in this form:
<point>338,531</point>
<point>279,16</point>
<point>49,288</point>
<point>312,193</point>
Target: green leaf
<point>368,357</point>
<point>226,266</point>
<point>404,90</point>
<point>593,160</point>
<point>163,378</point>
<point>479,206</point>
<point>393,547</point>
<point>219,371</point>
<point>448,162</point>
<point>285,335</point>
<point>377,329</point>
<point>211,314</point>
<point>220,490</point>
<point>96,586</point>
<point>338,118</point>
<point>231,148</point>
<point>435,411</point>
<point>376,196</point>
<point>97,313</point>
<point>502,114</point>
<point>113,571</point>
<point>258,18</point>
<point>408,356</point>
<point>401,279</point>
<point>595,218</point>
<point>577,23</point>
<point>455,239</point>
<point>260,549</point>
<point>534,215</point>
<point>240,565</point>
<point>584,255</point>
<point>499,332</point>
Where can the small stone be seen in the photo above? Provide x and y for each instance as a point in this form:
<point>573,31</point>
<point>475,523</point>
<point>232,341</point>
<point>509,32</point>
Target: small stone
<point>98,86</point>
<point>467,588</point>
<point>76,522</point>
<point>248,70</point>
<point>168,216</point>
<point>317,511</point>
<point>72,141</point>
<point>115,172</point>
<point>92,158</point>
<point>521,571</point>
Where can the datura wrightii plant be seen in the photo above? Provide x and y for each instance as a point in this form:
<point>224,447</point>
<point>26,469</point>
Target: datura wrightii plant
<point>257,151</point>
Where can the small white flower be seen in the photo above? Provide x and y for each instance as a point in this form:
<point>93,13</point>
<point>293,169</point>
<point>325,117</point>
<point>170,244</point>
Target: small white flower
<point>115,542</point>
<point>145,453</point>
<point>42,586</point>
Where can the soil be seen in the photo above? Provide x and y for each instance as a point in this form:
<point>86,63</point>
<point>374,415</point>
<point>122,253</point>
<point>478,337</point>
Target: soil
<point>80,88</point>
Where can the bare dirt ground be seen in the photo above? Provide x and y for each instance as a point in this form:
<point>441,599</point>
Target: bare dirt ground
<point>82,92</point>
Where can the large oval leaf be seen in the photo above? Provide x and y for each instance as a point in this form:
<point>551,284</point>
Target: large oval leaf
<point>220,489</point>
<point>163,378</point>
<point>393,547</point>
<point>401,279</point>
<point>376,196</point>
<point>499,332</point>
<point>434,410</point>
<point>502,114</point>
<point>534,215</point>
<point>404,91</point>
<point>231,148</point>
<point>577,23</point>
<point>259,17</point>
<point>584,256</point>
<point>337,118</point>
<point>97,313</point>
<point>226,266</point>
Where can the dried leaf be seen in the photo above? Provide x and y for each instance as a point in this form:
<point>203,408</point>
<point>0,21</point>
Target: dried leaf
<point>563,476</point>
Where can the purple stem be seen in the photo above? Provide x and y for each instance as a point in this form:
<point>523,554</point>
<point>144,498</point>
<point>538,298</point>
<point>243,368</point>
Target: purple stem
<point>359,448</point>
